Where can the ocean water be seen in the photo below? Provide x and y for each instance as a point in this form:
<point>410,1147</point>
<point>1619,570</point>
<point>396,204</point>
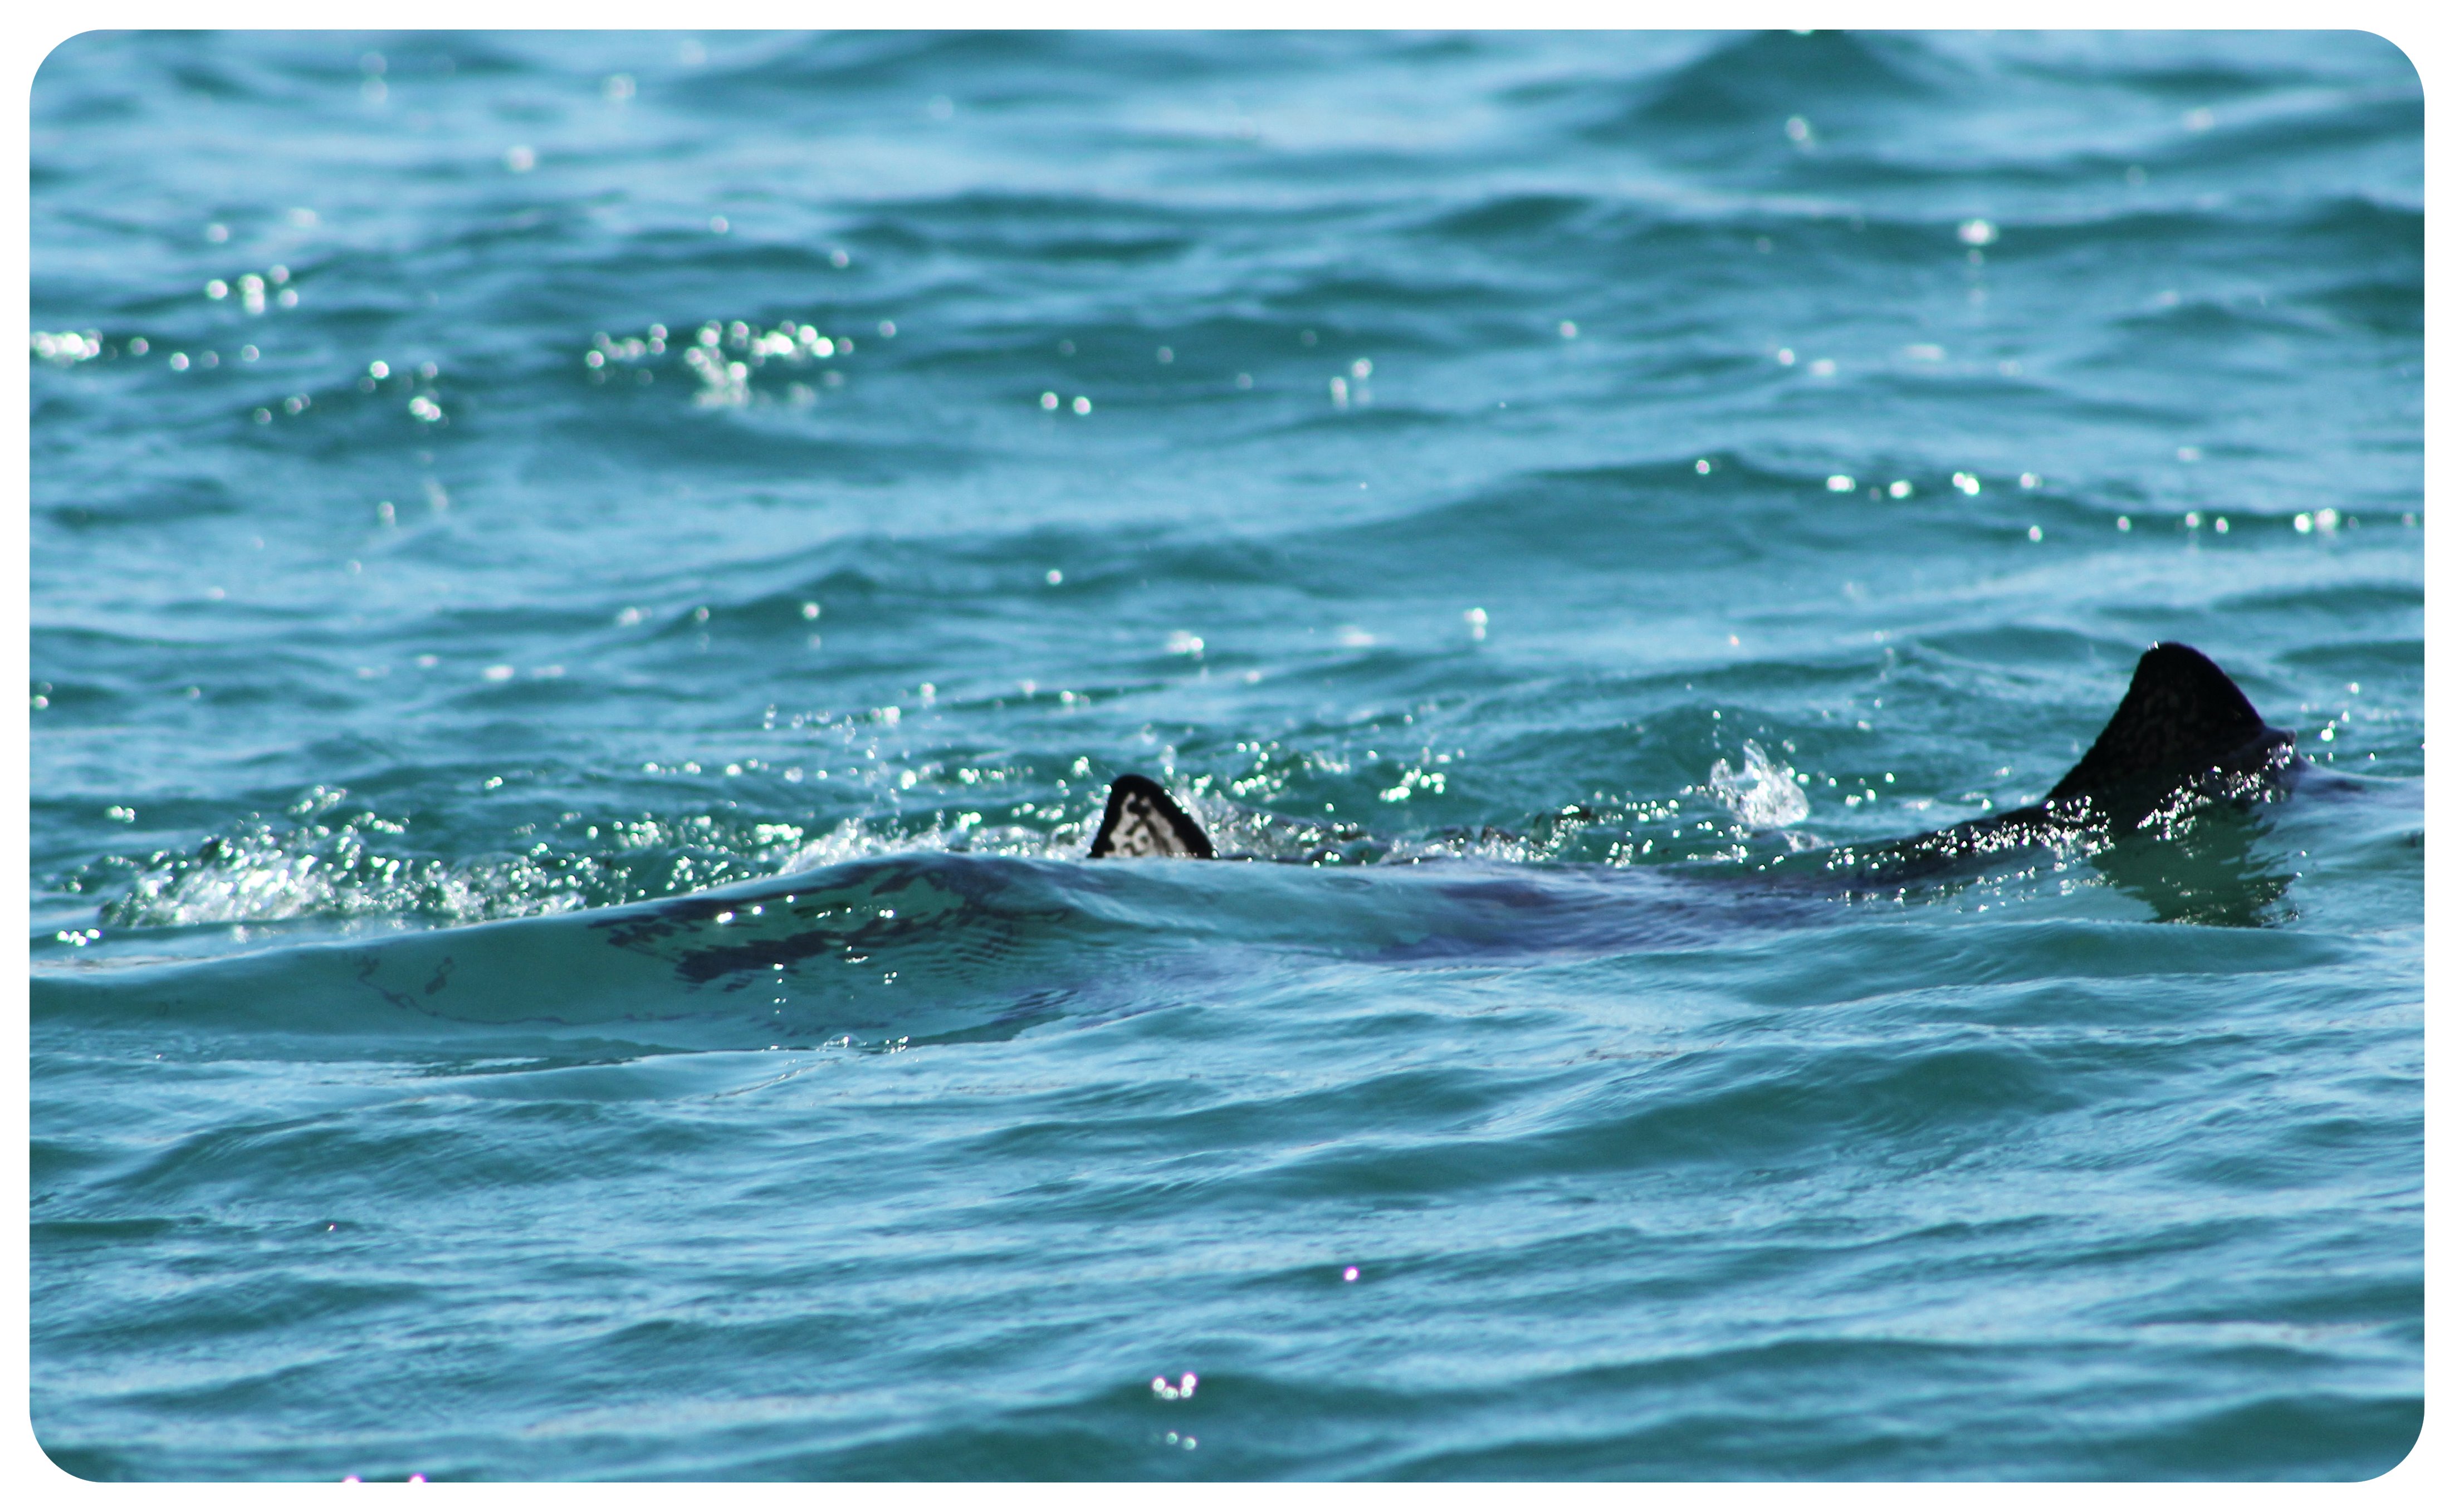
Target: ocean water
<point>585,590</point>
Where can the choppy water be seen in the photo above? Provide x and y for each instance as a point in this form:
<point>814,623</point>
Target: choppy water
<point>489,489</point>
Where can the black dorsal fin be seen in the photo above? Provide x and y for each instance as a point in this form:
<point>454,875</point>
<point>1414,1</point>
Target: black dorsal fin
<point>1144,820</point>
<point>2180,718</point>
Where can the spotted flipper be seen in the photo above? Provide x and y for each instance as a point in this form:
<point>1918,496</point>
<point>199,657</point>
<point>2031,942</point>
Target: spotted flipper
<point>1144,820</point>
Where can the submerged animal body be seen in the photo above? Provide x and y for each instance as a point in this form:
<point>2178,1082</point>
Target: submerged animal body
<point>910,947</point>
<point>2184,733</point>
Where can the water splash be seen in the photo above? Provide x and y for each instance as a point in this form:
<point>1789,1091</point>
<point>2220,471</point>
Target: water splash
<point>964,834</point>
<point>331,871</point>
<point>1760,793</point>
<point>363,867</point>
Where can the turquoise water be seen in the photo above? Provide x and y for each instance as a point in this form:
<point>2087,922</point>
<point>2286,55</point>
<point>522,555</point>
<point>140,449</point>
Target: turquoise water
<point>489,491</point>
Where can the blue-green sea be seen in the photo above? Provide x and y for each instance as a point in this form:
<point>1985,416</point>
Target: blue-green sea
<point>586,592</point>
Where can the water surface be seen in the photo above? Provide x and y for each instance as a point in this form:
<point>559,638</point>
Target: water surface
<point>585,589</point>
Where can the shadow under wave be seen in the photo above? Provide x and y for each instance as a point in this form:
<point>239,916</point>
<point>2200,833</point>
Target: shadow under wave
<point>1767,75</point>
